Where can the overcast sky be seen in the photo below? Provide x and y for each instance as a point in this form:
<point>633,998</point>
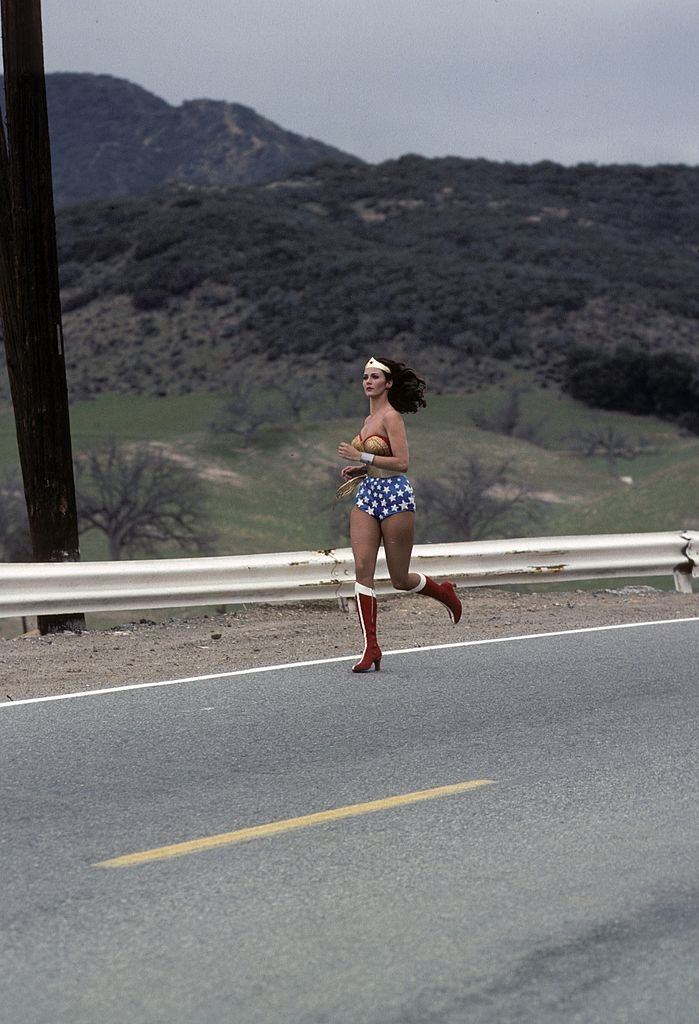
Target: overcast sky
<point>566,80</point>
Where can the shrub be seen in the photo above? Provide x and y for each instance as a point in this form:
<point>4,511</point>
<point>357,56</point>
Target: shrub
<point>70,274</point>
<point>97,244</point>
<point>156,239</point>
<point>612,380</point>
<point>664,383</point>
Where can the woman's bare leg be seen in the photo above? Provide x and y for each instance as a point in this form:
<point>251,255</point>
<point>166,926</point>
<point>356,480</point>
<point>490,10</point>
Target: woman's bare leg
<point>365,534</point>
<point>398,533</point>
<point>398,542</point>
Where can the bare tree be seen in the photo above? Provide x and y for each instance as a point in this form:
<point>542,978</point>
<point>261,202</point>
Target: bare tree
<point>476,500</point>
<point>326,393</point>
<point>266,395</point>
<point>507,418</point>
<point>609,442</point>
<point>15,541</point>
<point>141,499</point>
<point>337,509</point>
<point>256,402</point>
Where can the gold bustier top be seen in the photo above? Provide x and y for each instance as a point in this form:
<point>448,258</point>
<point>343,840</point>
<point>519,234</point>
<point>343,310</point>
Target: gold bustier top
<point>375,444</point>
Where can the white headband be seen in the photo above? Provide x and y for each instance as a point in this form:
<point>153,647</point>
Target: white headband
<point>374,364</point>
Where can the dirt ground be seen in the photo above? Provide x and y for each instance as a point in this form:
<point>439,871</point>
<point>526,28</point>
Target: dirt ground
<point>256,635</point>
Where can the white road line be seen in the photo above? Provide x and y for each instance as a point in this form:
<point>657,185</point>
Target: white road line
<point>330,661</point>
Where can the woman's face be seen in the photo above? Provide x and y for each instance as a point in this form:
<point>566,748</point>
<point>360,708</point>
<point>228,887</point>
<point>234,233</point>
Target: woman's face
<point>374,383</point>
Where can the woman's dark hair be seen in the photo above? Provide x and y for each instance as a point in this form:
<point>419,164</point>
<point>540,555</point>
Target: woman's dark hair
<point>407,393</point>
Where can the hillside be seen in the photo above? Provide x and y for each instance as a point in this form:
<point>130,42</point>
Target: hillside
<point>465,266</point>
<point>277,493</point>
<point>110,137</point>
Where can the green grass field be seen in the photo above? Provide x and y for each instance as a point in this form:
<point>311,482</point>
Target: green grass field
<point>277,495</point>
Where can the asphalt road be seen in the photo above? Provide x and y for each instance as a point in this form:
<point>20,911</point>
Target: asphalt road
<point>564,891</point>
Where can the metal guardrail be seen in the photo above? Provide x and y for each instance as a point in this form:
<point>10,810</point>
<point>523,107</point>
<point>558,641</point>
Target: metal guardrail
<point>46,588</point>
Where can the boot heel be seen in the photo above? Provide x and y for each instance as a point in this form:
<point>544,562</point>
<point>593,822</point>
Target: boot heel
<point>377,665</point>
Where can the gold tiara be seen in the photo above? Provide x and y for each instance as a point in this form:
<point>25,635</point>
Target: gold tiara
<point>374,364</point>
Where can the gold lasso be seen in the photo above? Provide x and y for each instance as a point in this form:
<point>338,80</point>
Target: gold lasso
<point>350,485</point>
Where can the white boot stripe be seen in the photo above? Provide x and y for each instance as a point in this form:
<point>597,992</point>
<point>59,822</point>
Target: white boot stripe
<point>361,620</point>
<point>421,584</point>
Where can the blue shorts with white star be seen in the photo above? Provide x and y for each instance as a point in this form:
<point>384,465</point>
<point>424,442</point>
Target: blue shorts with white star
<point>383,496</point>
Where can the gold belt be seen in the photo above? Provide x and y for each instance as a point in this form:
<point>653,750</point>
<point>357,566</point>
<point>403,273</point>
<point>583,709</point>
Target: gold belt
<point>361,474</point>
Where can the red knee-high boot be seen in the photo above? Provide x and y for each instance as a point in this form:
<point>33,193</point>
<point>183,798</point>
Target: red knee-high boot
<point>366,610</point>
<point>443,592</point>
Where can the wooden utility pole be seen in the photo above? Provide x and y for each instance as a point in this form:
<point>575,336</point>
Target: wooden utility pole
<point>30,300</point>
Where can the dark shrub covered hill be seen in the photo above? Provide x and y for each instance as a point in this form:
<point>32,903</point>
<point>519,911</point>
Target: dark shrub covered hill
<point>465,266</point>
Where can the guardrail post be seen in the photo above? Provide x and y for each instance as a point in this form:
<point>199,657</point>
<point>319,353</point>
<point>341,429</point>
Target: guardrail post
<point>683,581</point>
<point>683,574</point>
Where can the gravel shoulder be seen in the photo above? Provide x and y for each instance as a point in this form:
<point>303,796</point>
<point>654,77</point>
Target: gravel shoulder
<point>259,635</point>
